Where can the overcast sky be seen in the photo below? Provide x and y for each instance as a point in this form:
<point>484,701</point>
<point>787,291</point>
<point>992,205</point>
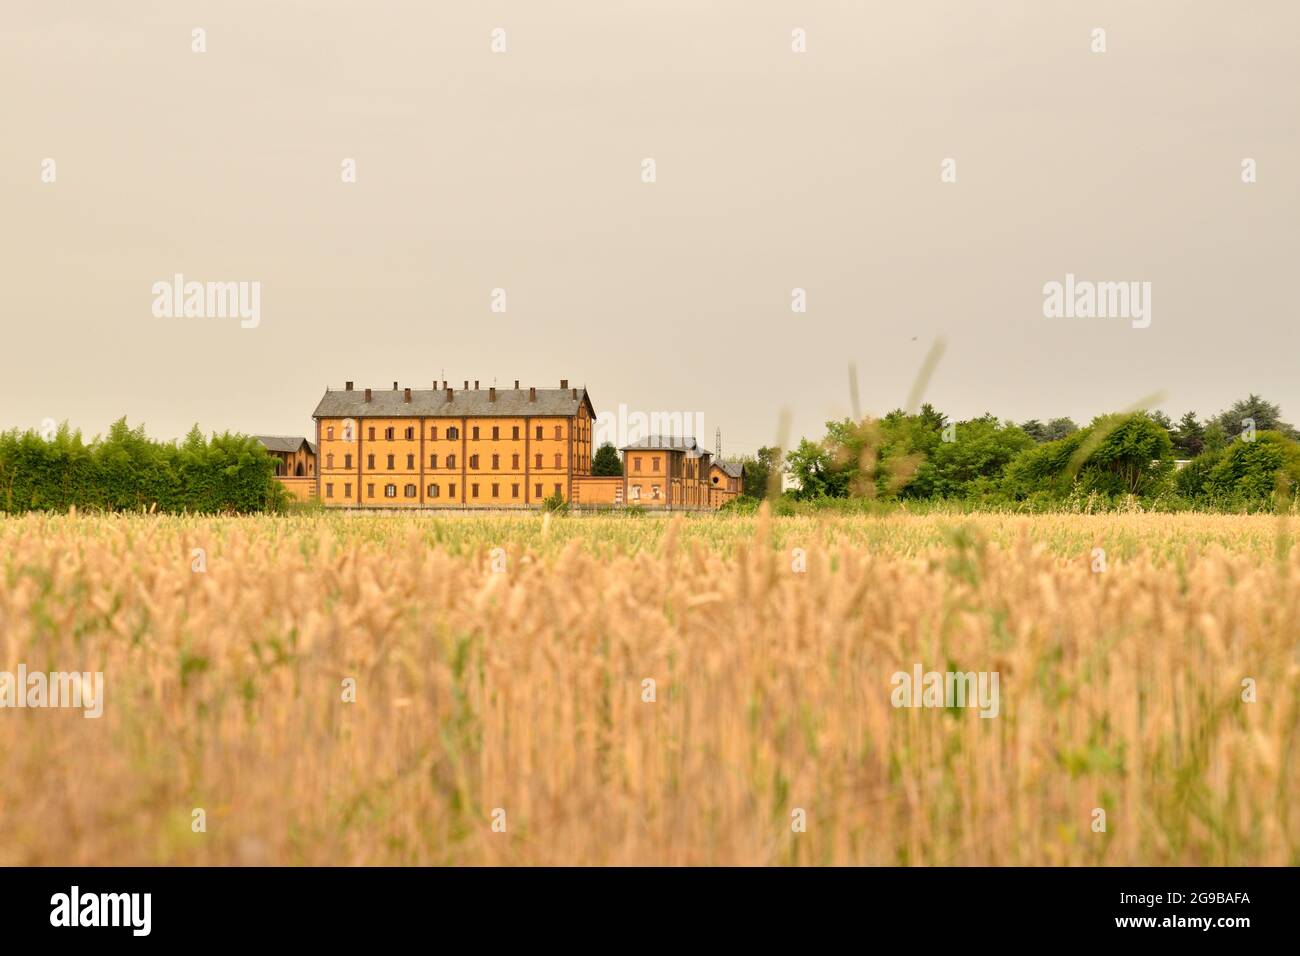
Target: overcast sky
<point>523,170</point>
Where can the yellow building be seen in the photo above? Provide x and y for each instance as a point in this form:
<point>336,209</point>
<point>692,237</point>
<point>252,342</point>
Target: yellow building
<point>726,481</point>
<point>295,463</point>
<point>447,447</point>
<point>668,472</point>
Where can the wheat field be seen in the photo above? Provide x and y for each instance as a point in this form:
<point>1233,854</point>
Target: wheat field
<point>499,669</point>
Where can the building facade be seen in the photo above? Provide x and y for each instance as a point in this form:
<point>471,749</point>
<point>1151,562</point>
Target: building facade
<point>295,463</point>
<point>726,481</point>
<point>672,472</point>
<point>448,447</point>
<point>475,447</point>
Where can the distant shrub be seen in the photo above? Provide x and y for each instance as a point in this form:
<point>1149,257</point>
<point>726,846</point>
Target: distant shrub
<point>555,503</point>
<point>740,505</point>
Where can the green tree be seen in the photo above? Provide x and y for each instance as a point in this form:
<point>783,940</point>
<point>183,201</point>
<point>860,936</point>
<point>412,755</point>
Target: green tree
<point>813,467</point>
<point>976,458</point>
<point>871,458</point>
<point>606,463</point>
<point>1161,419</point>
<point>1115,454</point>
<point>1189,436</point>
<point>1035,430</point>
<point>1215,439</point>
<point>1266,416</point>
<point>1244,472</point>
<point>1059,428</point>
<point>759,472</point>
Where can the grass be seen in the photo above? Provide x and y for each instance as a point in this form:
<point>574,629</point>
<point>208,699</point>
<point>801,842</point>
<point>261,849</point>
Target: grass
<point>524,690</point>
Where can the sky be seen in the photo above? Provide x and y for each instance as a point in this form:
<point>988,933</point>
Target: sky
<point>524,170</point>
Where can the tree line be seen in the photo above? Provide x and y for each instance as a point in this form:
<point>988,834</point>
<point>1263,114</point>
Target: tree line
<point>127,471</point>
<point>1245,458</point>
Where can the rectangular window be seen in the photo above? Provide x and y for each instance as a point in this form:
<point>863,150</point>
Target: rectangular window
<point>539,432</point>
<point>329,432</point>
<point>473,490</point>
<point>473,462</point>
<point>370,491</point>
<point>388,433</point>
<point>370,433</point>
<point>514,461</point>
<point>559,461</point>
<point>370,462</point>
<point>451,461</point>
<point>451,490</point>
<point>514,491</point>
<point>537,491</point>
<point>496,490</point>
<point>347,461</point>
<point>410,434</point>
<point>474,433</point>
<point>537,463</point>
<point>433,461</point>
<point>433,491</point>
<point>329,489</point>
<point>410,462</point>
<point>514,432</point>
<point>496,432</point>
<point>391,466</point>
<point>557,489</point>
<point>347,489</point>
<point>636,463</point>
<point>433,433</point>
<point>496,462</point>
<point>558,434</point>
<point>655,462</point>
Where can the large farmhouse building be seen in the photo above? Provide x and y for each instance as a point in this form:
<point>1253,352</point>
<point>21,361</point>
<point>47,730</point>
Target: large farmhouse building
<point>488,447</point>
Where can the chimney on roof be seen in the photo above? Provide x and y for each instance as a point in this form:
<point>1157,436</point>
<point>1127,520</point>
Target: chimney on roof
<point>492,394</point>
<point>476,385</point>
<point>516,385</point>
<point>575,393</point>
<point>564,383</point>
<point>407,397</point>
<point>347,386</point>
<point>394,386</point>
<point>466,386</point>
<point>449,393</point>
<point>532,393</point>
<point>367,394</point>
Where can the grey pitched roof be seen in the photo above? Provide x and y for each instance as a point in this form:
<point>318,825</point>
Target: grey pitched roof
<point>284,443</point>
<point>733,469</point>
<point>432,403</point>
<point>662,443</point>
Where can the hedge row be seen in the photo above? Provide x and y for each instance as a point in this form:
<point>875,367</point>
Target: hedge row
<point>126,471</point>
